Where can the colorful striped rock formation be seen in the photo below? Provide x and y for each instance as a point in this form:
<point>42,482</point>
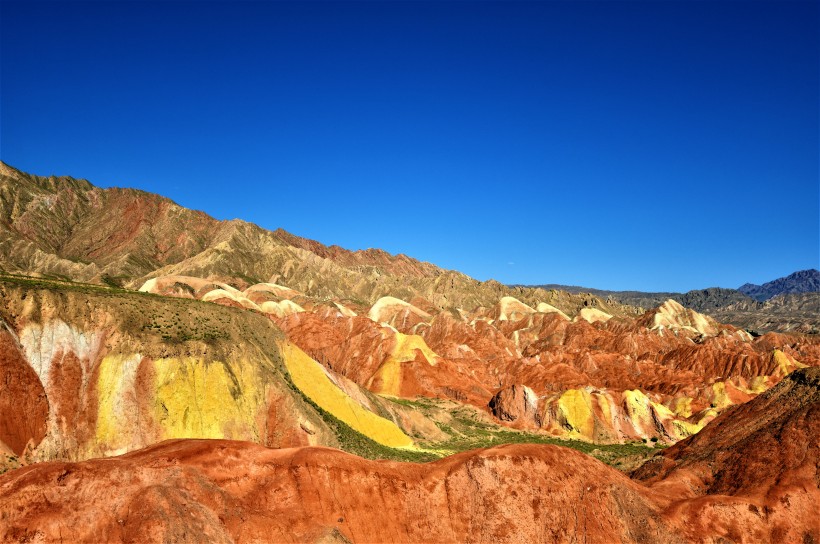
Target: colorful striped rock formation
<point>93,373</point>
<point>750,476</point>
<point>658,377</point>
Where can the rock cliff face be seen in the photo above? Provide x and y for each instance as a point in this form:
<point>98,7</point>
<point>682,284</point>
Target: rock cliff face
<point>91,372</point>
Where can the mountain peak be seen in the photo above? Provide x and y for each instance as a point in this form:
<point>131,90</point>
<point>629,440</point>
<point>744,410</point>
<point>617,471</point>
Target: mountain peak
<point>802,281</point>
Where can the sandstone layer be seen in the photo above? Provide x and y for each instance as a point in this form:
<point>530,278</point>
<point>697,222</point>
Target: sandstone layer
<point>658,377</point>
<point>91,372</point>
<point>225,491</point>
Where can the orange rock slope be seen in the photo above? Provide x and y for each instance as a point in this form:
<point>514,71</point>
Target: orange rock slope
<point>222,491</point>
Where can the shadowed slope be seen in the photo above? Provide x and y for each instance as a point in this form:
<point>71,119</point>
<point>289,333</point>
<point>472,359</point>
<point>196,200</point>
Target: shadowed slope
<point>750,447</point>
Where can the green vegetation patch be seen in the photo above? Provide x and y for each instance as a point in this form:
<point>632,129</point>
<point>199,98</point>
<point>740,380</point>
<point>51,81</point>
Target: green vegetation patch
<point>356,443</point>
<point>468,429</point>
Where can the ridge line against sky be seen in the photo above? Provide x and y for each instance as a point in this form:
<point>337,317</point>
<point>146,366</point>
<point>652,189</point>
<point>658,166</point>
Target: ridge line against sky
<point>653,146</point>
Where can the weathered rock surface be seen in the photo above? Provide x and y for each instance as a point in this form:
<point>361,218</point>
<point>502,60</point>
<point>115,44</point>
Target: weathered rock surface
<point>750,476</point>
<point>23,398</point>
<point>661,376</point>
<point>220,491</point>
<point>89,372</point>
<point>516,403</point>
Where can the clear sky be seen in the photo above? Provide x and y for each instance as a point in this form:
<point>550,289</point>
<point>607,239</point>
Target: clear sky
<point>620,145</point>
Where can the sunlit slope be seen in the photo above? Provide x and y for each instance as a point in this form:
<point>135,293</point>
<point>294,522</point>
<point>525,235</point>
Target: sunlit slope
<point>313,380</point>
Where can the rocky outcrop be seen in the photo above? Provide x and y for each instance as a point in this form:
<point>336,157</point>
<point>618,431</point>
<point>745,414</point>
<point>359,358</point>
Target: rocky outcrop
<point>516,403</point>
<point>592,315</point>
<point>671,315</point>
<point>92,372</point>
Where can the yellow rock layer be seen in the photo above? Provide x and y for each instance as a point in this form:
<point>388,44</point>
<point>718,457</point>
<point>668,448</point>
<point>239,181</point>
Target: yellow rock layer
<point>116,404</point>
<point>390,371</point>
<point>581,413</point>
<point>720,399</point>
<point>684,429</point>
<point>311,379</point>
<point>682,407</point>
<point>759,384</point>
<point>637,407</point>
<point>190,398</point>
<point>195,398</point>
<point>575,407</point>
<point>406,346</point>
<point>785,363</point>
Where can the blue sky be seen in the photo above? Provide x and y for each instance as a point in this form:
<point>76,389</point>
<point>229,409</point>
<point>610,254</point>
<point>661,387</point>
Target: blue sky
<point>621,145</point>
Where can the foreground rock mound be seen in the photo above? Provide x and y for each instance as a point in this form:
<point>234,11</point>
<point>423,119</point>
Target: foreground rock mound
<point>764,455</point>
<point>222,491</point>
<point>771,440</point>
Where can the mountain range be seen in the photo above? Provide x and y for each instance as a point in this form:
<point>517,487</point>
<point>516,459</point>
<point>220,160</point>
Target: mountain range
<point>61,227</point>
<point>65,228</point>
<point>804,281</point>
<point>226,383</point>
<point>791,303</point>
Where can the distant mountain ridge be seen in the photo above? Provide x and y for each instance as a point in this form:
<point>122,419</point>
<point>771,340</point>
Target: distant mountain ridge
<point>699,299</point>
<point>790,303</point>
<point>804,281</point>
